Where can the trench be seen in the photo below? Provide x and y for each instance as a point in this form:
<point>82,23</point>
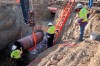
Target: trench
<point>27,57</point>
<point>6,61</point>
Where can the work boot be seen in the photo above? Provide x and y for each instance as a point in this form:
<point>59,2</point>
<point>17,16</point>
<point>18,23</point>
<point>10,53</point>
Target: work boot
<point>26,21</point>
<point>79,40</point>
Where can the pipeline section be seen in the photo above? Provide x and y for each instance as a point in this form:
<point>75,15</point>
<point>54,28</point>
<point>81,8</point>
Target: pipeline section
<point>30,41</point>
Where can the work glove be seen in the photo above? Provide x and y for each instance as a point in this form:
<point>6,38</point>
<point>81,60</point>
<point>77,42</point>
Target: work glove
<point>14,47</point>
<point>32,23</point>
<point>48,36</point>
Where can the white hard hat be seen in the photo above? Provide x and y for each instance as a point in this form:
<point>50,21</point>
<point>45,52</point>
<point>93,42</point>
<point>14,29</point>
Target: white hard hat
<point>14,47</point>
<point>79,5</point>
<point>50,23</point>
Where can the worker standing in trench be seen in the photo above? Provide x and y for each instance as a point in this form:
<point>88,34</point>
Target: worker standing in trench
<point>83,14</point>
<point>50,34</point>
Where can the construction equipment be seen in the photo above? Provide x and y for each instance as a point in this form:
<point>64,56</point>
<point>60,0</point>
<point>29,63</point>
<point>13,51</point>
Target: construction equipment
<point>28,13</point>
<point>63,18</point>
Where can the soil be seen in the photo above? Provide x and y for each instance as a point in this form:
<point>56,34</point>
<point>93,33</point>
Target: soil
<point>67,53</point>
<point>73,53</point>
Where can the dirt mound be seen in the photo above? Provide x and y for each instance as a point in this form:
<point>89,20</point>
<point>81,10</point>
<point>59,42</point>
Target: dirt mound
<point>79,55</point>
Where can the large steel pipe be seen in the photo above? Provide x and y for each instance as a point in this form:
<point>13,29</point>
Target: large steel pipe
<point>28,41</point>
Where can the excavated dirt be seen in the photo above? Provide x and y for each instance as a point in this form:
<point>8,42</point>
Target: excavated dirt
<point>79,55</point>
<point>73,53</point>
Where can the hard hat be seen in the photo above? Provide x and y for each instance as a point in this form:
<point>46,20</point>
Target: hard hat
<point>50,23</point>
<point>14,47</point>
<point>79,5</point>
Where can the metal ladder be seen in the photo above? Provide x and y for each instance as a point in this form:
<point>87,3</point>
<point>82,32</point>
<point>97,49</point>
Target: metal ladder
<point>65,13</point>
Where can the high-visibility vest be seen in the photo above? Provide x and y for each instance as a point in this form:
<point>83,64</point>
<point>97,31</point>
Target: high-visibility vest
<point>51,30</point>
<point>16,54</point>
<point>83,14</point>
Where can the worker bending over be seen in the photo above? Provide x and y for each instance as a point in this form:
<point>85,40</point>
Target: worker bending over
<point>16,54</point>
<point>50,34</point>
<point>83,19</point>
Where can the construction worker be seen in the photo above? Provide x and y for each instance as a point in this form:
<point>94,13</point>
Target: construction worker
<point>90,4</point>
<point>16,54</point>
<point>27,14</point>
<point>25,10</point>
<point>83,18</point>
<point>50,34</point>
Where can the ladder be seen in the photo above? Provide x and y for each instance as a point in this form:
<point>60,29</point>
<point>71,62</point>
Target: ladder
<point>63,17</point>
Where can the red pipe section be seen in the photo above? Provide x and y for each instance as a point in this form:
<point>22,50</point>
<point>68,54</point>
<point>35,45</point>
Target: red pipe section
<point>29,42</point>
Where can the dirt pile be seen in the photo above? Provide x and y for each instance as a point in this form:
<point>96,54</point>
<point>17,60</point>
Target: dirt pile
<point>79,55</point>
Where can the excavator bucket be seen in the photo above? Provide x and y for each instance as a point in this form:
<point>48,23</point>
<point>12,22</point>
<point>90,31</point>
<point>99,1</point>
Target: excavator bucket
<point>31,19</point>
